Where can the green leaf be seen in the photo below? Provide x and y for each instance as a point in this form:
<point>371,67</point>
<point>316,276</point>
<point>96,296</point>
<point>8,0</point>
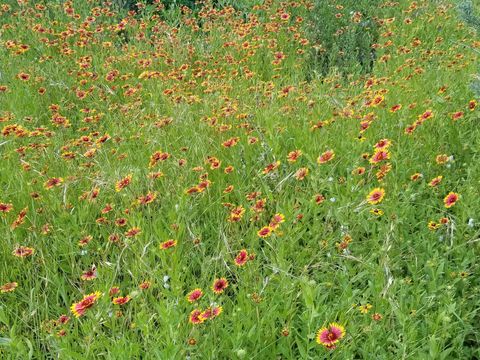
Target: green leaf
<point>5,341</point>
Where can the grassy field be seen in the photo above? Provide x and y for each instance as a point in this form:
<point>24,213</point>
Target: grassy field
<point>206,184</point>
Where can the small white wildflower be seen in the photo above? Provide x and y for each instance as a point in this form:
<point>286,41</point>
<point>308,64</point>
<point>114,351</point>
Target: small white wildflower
<point>165,282</point>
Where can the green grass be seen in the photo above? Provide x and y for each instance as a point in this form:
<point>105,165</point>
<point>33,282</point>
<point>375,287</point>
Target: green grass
<point>324,264</point>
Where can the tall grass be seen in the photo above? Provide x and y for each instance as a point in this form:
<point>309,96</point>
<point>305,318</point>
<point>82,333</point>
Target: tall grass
<point>149,154</point>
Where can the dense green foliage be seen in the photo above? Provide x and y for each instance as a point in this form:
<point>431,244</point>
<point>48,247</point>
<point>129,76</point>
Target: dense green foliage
<point>472,19</point>
<point>239,182</point>
<point>344,35</point>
